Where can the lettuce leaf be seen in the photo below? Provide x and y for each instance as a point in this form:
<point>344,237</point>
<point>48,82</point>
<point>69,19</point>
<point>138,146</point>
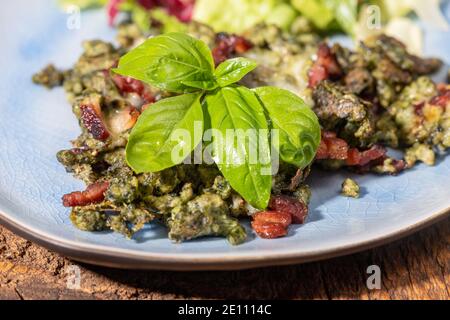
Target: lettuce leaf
<point>236,16</point>
<point>83,4</point>
<point>327,14</point>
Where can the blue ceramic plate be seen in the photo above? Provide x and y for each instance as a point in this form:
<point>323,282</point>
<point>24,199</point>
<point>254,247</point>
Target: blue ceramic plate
<point>36,123</point>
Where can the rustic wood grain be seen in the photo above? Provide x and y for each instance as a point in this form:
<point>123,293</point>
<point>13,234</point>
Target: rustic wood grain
<point>417,267</point>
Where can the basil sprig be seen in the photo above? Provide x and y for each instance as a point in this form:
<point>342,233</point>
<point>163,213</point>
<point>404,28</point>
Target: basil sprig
<point>178,63</point>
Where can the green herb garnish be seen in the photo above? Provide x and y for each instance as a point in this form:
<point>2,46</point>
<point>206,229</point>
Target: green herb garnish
<point>211,99</point>
<point>174,62</point>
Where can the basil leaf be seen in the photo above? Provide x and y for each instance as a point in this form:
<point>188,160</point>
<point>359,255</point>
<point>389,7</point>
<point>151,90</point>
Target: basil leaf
<point>172,62</point>
<point>299,128</point>
<point>159,130</point>
<point>237,109</point>
<point>233,70</point>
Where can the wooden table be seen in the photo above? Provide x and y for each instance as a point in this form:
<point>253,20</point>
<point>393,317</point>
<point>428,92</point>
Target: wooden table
<point>417,267</point>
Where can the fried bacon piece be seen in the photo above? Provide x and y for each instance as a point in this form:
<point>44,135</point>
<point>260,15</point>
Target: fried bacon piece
<point>361,158</point>
<point>286,204</point>
<point>271,224</point>
<point>399,165</point>
<point>322,151</point>
<point>130,85</point>
<point>442,99</point>
<point>127,84</point>
<point>374,159</point>
<point>332,147</point>
<point>94,193</point>
<point>325,66</point>
<point>269,230</point>
<point>228,45</point>
<point>283,218</point>
<point>92,119</point>
<point>274,224</point>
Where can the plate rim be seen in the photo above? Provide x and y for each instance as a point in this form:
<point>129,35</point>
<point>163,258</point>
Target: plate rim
<point>129,259</point>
